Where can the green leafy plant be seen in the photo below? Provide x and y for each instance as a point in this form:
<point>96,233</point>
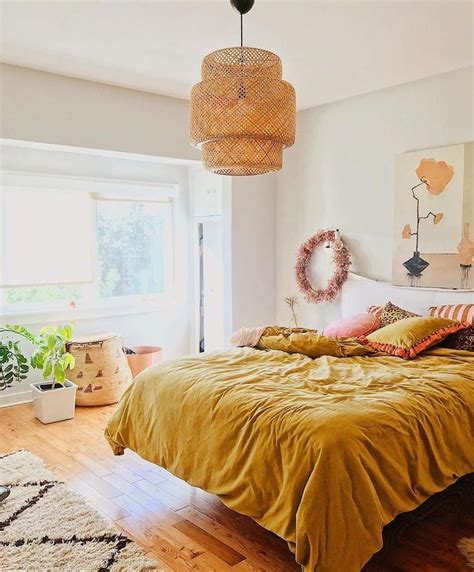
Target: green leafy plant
<point>51,354</point>
<point>13,364</point>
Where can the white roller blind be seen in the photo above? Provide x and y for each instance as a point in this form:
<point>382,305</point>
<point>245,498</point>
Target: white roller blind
<point>46,237</point>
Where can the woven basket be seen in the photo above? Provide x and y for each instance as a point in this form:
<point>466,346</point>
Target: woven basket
<point>101,372</point>
<point>242,114</point>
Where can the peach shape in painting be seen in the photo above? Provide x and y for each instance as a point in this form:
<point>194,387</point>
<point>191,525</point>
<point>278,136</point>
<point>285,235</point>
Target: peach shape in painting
<point>435,174</point>
<point>406,232</point>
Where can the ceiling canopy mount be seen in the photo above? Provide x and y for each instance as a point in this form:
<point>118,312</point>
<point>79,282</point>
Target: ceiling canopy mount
<point>242,6</point>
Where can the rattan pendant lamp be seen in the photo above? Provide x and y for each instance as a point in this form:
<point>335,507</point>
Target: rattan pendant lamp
<point>242,114</point>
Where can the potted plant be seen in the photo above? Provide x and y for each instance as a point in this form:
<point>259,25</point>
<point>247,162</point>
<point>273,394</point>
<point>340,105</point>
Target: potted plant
<point>13,364</point>
<point>53,399</point>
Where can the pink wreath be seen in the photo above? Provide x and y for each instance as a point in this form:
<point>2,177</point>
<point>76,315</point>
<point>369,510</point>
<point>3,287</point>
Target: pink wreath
<point>341,259</point>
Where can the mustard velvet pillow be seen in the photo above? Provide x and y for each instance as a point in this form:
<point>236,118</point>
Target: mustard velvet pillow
<point>407,338</point>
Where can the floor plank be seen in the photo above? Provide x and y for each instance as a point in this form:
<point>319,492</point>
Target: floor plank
<point>186,529</point>
<point>210,542</point>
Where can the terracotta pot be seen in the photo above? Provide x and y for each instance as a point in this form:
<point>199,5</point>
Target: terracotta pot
<point>144,356</point>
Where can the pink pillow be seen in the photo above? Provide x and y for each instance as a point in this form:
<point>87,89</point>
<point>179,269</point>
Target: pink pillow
<point>353,326</point>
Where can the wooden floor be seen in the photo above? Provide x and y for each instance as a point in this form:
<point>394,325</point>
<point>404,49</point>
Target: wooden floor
<point>184,528</point>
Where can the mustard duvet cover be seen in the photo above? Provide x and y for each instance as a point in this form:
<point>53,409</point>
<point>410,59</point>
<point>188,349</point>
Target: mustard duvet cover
<point>322,452</point>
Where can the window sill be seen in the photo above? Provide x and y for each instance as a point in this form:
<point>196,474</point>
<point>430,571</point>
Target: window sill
<point>45,316</point>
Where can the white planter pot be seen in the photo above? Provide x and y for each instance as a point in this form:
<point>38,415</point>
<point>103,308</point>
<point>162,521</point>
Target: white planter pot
<point>54,404</point>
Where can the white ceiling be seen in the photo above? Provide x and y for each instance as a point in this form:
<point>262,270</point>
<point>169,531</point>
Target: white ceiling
<point>330,50</point>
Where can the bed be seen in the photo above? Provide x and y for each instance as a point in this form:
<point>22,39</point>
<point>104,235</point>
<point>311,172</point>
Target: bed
<point>322,452</point>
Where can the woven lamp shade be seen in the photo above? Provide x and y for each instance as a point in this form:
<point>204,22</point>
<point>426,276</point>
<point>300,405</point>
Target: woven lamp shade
<point>242,114</point>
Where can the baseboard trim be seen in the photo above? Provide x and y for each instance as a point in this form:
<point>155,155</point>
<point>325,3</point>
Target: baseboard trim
<point>16,398</point>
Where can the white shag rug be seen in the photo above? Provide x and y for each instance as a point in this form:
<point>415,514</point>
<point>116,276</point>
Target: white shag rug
<point>466,546</point>
<point>45,526</point>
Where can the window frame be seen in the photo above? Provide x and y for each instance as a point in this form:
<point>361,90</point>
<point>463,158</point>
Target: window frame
<point>91,305</point>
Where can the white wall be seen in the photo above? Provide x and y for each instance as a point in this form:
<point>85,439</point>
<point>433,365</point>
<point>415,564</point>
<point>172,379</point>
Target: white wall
<point>253,251</point>
<point>340,173</point>
<point>50,108</point>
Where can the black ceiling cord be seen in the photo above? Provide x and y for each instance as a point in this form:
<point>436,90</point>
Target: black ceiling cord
<point>242,6</point>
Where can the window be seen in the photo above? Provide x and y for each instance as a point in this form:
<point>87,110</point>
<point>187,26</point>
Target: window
<point>133,253</point>
<point>133,247</point>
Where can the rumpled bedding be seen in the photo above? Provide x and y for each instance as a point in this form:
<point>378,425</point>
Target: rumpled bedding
<point>323,452</point>
<point>309,343</point>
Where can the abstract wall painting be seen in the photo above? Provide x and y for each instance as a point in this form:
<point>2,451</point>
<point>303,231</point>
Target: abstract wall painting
<point>434,218</point>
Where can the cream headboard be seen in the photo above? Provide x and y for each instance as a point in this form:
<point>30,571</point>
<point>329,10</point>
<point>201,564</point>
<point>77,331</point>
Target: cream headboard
<point>359,292</point>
